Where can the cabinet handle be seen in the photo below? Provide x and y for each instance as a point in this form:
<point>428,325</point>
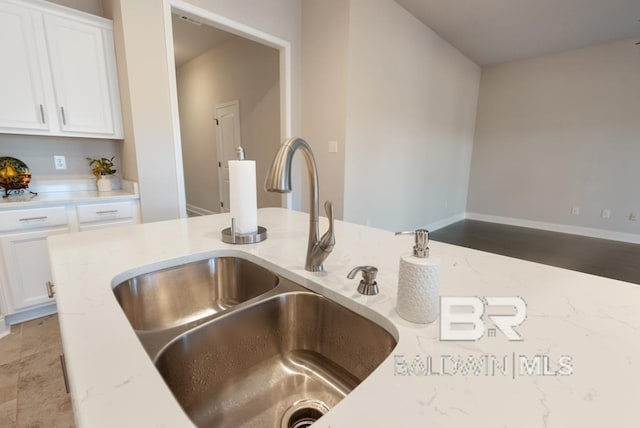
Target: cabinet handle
<point>64,117</point>
<point>64,372</point>
<point>50,291</point>
<point>42,114</point>
<point>44,217</point>
<point>107,212</point>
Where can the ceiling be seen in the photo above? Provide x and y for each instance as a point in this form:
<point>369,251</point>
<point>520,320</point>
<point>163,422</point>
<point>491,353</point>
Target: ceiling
<point>497,31</point>
<point>191,40</point>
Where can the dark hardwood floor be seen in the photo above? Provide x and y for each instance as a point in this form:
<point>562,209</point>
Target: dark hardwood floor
<point>612,259</point>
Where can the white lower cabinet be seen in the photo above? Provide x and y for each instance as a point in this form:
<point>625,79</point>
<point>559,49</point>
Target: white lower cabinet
<point>26,260</point>
<point>24,255</point>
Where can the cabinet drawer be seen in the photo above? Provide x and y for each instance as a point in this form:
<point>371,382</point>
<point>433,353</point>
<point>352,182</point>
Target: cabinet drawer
<point>32,219</point>
<point>105,212</point>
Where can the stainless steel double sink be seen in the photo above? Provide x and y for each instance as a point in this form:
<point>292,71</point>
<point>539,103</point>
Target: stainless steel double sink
<point>240,346</point>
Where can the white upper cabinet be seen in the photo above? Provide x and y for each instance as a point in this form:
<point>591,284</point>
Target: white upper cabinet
<point>80,75</point>
<point>22,98</point>
<point>60,76</point>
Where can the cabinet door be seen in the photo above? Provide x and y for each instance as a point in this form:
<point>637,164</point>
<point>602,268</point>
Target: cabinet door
<point>85,92</point>
<point>22,100</point>
<point>26,262</point>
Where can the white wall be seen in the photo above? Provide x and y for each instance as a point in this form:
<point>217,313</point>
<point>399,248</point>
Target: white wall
<point>238,69</point>
<point>325,35</point>
<point>129,165</point>
<point>93,7</point>
<point>559,131</point>
<point>411,110</point>
<point>37,152</point>
<point>143,64</point>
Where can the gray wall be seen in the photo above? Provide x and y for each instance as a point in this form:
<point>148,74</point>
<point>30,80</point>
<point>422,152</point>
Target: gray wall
<point>559,131</point>
<point>411,110</point>
<point>238,69</point>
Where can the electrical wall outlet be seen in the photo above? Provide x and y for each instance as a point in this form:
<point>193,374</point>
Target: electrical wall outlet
<point>633,216</point>
<point>60,162</point>
<point>605,213</point>
<point>575,210</point>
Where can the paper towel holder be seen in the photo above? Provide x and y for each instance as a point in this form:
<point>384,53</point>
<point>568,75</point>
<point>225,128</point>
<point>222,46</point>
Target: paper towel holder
<point>231,236</point>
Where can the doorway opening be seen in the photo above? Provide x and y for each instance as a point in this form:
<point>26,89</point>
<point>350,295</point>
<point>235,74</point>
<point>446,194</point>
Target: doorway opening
<point>231,85</point>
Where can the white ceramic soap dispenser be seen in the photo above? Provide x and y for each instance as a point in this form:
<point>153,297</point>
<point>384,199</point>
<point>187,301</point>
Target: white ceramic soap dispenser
<point>418,282</point>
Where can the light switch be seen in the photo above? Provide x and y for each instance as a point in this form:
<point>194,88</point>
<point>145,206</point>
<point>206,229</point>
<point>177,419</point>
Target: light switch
<point>333,147</point>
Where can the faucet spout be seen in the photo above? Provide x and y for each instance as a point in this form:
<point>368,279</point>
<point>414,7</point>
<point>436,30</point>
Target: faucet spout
<point>279,180</point>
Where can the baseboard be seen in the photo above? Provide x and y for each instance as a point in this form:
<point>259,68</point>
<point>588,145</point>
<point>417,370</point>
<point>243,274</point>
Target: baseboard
<point>30,314</point>
<point>432,227</point>
<point>198,211</point>
<point>4,328</point>
<point>632,238</point>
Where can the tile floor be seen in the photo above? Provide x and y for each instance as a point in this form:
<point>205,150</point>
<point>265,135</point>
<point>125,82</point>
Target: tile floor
<point>32,392</point>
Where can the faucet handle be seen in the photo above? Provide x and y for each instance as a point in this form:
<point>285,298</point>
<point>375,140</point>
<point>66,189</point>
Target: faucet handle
<point>328,208</point>
<point>368,285</point>
<point>328,240</point>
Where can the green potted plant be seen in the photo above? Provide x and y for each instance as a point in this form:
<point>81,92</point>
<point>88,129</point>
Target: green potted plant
<point>102,168</point>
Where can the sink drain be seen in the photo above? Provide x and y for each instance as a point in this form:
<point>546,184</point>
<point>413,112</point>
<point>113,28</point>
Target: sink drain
<point>303,413</point>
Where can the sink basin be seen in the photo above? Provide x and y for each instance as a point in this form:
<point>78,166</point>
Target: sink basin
<point>280,362</point>
<point>186,293</point>
<point>240,346</point>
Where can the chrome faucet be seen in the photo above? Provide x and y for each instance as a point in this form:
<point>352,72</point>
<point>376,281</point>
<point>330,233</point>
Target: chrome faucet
<point>279,180</point>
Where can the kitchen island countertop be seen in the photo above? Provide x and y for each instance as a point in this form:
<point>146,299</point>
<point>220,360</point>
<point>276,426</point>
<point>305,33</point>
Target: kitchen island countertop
<point>578,363</point>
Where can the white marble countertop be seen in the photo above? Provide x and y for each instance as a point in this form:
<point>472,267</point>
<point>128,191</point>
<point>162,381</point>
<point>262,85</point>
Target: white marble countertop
<point>72,191</point>
<point>593,320</point>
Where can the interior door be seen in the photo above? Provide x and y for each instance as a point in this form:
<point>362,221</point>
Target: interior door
<point>228,136</point>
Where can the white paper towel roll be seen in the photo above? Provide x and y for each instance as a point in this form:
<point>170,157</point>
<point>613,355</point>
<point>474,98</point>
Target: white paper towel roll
<point>418,288</point>
<point>242,195</point>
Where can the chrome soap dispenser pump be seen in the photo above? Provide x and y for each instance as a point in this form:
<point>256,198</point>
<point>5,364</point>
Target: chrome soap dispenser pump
<point>421,247</point>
